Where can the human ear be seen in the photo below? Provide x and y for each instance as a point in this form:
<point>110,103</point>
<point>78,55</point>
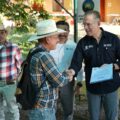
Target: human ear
<point>98,23</point>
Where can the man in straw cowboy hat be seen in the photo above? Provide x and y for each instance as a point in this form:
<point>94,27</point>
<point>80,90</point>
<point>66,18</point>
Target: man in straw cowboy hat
<point>10,62</point>
<point>43,67</point>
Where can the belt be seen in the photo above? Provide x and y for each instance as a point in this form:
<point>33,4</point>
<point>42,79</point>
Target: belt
<point>3,83</point>
<point>11,82</point>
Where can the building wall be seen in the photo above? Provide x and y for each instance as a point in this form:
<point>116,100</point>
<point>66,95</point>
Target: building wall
<point>52,6</point>
<point>109,9</point>
<point>49,5</point>
<point>112,10</point>
<point>68,4</point>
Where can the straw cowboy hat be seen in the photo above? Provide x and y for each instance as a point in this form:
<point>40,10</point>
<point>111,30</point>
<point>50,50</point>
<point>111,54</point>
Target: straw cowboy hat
<point>44,29</point>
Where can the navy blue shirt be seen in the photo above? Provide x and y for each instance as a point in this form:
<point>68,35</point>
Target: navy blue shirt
<point>96,54</point>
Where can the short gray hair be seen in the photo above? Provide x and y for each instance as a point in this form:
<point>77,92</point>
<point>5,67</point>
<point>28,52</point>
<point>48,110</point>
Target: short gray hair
<point>93,12</point>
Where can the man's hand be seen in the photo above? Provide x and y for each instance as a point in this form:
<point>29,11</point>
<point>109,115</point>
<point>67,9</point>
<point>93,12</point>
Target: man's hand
<point>116,67</point>
<point>70,74</point>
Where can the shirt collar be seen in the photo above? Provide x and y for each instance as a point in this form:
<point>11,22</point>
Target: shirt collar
<point>7,43</point>
<point>41,46</point>
<point>103,32</point>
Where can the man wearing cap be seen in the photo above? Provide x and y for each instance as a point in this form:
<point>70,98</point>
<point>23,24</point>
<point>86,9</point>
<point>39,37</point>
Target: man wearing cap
<point>43,67</point>
<point>10,62</point>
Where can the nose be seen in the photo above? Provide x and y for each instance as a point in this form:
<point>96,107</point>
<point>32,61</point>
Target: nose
<point>85,26</point>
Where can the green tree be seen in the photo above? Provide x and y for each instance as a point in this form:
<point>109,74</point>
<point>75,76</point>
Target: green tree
<point>22,15</point>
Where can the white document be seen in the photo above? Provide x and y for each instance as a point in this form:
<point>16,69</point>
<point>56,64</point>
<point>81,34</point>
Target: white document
<point>102,73</point>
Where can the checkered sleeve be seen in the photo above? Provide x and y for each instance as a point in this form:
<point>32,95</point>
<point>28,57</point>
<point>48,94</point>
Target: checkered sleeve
<point>52,73</point>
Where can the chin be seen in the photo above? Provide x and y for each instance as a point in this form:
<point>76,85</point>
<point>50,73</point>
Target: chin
<point>89,34</point>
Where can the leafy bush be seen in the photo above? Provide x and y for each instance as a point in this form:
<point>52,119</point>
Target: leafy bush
<point>24,16</point>
<point>22,41</point>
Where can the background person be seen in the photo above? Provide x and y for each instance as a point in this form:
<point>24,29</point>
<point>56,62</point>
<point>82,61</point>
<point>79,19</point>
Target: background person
<point>43,67</point>
<point>98,48</point>
<point>62,56</point>
<point>10,62</point>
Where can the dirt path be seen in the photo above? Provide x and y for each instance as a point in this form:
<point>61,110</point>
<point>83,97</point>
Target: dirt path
<point>80,111</point>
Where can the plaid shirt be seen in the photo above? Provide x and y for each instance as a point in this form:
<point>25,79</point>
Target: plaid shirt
<point>43,67</point>
<point>10,62</point>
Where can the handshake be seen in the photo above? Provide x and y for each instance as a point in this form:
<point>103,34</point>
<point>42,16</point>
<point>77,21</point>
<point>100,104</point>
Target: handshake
<point>70,74</point>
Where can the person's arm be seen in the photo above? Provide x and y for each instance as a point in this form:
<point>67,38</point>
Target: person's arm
<point>54,76</point>
<point>76,63</point>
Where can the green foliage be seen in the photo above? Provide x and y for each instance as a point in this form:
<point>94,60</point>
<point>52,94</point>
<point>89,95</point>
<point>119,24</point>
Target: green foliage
<point>22,41</point>
<point>2,5</point>
<point>22,15</point>
<point>0,21</point>
<point>25,18</point>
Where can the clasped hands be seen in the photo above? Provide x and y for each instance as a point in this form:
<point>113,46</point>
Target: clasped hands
<point>70,74</point>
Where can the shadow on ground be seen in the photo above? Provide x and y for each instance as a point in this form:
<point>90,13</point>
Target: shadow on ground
<point>80,110</point>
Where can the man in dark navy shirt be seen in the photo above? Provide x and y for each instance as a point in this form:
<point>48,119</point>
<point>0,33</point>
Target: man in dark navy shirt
<point>97,49</point>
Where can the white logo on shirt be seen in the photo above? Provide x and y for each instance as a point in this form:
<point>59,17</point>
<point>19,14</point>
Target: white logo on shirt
<point>88,47</point>
<point>107,45</point>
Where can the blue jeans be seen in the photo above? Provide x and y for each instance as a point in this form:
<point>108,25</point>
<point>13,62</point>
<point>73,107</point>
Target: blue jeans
<point>8,106</point>
<point>108,101</point>
<point>42,114</point>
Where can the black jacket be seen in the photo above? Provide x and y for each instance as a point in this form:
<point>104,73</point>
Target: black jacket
<point>95,55</point>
